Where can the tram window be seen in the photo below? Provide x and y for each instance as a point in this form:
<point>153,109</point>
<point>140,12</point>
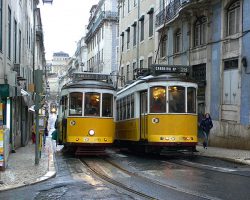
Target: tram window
<point>176,99</point>
<point>75,107</point>
<point>132,106</point>
<point>124,114</point>
<point>117,110</point>
<point>120,109</point>
<point>128,107</point>
<point>158,99</point>
<point>92,104</point>
<point>107,105</point>
<point>63,103</point>
<point>191,100</point>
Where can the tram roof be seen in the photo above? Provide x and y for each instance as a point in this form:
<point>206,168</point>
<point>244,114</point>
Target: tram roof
<point>158,78</point>
<point>89,84</point>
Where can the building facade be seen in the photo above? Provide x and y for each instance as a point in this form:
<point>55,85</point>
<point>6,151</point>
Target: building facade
<point>57,68</point>
<point>20,55</point>
<point>101,38</point>
<point>137,37</point>
<point>213,38</point>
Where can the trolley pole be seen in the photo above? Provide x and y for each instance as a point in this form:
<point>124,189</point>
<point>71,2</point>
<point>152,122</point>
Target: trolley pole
<point>37,153</point>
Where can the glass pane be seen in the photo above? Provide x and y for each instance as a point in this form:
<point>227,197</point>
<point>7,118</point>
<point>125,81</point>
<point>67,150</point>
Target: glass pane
<point>132,106</point>
<point>107,105</point>
<point>158,99</point>
<point>191,100</point>
<point>128,107</point>
<point>176,99</point>
<point>92,104</point>
<point>75,107</point>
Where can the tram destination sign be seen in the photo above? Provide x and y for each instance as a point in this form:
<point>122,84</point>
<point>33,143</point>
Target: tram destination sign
<point>158,68</point>
<point>90,76</point>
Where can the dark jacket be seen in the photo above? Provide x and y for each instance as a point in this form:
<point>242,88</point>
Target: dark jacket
<point>206,124</point>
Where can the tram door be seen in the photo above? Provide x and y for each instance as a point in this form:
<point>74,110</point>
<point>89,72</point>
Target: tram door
<point>143,114</point>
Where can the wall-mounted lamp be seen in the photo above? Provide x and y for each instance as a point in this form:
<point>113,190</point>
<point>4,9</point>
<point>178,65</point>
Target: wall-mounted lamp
<point>244,62</point>
<point>47,1</point>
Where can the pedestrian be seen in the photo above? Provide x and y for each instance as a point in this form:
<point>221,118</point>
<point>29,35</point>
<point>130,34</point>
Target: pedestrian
<point>45,134</point>
<point>206,125</point>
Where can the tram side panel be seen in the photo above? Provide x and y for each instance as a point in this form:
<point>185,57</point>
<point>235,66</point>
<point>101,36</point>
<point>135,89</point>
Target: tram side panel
<point>175,129</point>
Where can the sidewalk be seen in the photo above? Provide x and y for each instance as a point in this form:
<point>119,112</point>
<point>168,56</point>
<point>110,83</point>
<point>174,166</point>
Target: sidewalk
<point>21,169</point>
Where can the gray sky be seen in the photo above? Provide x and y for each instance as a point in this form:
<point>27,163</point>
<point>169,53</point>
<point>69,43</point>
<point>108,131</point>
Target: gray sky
<point>64,24</point>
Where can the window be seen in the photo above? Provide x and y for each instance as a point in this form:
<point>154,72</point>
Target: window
<point>230,82</point>
<point>150,61</point>
<point>20,46</point>
<point>142,28</point>
<point>176,99</point>
<point>163,45</point>
<point>233,18</point>
<point>158,99</point>
<point>128,73</point>
<point>124,110</point>
<point>92,104</point>
<point>200,31</point>
<point>134,34</point>
<point>151,25</point>
<point>122,41</point>
<point>75,104</point>
<point>134,70</point>
<point>141,64</point>
<point>64,103</point>
<point>15,41</point>
<point>177,41</point>
<point>107,105</point>
<point>128,37</point>
<point>9,33</point>
<point>191,100</point>
<point>132,106</point>
<point>123,8</point>
<point>128,6</point>
<point>1,25</point>
<point>128,107</point>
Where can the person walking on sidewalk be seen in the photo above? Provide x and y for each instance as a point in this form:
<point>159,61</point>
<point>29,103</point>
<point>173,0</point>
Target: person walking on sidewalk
<point>206,125</point>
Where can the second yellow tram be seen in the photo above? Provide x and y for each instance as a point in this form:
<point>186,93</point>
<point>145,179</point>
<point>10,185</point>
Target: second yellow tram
<point>157,113</point>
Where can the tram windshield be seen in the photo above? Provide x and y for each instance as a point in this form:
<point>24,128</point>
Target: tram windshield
<point>107,102</point>
<point>92,104</point>
<point>75,101</point>
<point>176,99</point>
<point>158,99</point>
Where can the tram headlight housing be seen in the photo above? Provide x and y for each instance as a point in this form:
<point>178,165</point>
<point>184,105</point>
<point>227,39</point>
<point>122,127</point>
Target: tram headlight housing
<point>91,132</point>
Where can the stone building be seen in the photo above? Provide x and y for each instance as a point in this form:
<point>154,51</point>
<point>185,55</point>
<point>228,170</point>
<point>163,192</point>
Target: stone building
<point>20,55</point>
<point>213,38</point>
<point>102,37</point>
<point>137,37</point>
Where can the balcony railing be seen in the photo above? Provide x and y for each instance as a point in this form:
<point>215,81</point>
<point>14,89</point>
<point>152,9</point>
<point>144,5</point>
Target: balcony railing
<point>104,15</point>
<point>170,11</point>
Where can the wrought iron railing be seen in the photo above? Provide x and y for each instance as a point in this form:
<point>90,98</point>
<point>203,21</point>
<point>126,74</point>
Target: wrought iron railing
<point>104,15</point>
<point>170,11</point>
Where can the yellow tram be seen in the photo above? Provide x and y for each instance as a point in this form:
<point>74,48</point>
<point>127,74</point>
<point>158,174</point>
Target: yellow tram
<point>158,112</point>
<point>86,114</point>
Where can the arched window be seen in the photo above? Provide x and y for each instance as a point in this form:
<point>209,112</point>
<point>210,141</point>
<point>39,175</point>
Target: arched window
<point>200,31</point>
<point>233,18</point>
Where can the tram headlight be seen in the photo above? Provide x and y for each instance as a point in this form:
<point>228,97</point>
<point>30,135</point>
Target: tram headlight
<point>91,132</point>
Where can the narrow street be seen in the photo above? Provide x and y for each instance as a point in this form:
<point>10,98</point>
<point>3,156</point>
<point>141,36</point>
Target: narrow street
<point>123,175</point>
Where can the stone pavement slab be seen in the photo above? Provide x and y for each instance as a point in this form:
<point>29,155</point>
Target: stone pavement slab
<point>21,169</point>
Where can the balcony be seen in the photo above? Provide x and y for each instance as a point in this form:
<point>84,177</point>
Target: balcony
<point>104,15</point>
<point>170,11</point>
